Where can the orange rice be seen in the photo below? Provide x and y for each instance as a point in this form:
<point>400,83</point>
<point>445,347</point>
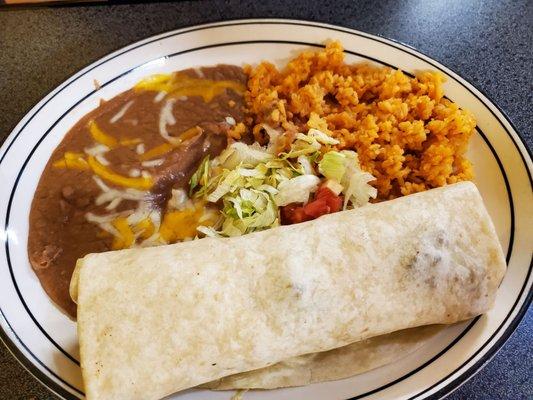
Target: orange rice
<point>405,132</point>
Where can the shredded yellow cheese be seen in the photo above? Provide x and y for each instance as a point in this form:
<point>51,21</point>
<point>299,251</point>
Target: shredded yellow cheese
<point>159,82</point>
<point>129,142</point>
<point>126,238</point>
<point>156,151</point>
<point>190,133</point>
<point>180,84</point>
<point>141,183</point>
<point>101,137</point>
<point>71,160</point>
<point>145,228</point>
<point>165,148</point>
<point>180,225</point>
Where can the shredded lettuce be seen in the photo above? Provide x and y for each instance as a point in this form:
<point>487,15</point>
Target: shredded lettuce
<point>296,190</point>
<point>302,147</point>
<point>333,165</point>
<point>208,231</point>
<point>247,192</point>
<point>274,136</point>
<point>247,211</point>
<point>343,167</point>
<point>251,183</point>
<point>309,144</point>
<point>201,176</point>
<point>230,180</point>
<point>321,137</point>
<point>334,186</point>
<point>241,153</point>
<point>306,165</point>
<point>355,182</point>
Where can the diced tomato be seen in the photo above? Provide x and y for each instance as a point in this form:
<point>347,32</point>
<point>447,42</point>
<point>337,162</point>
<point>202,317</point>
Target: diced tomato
<point>316,208</point>
<point>334,203</point>
<point>293,214</point>
<point>323,192</point>
<point>287,211</point>
<point>324,202</point>
<point>299,215</point>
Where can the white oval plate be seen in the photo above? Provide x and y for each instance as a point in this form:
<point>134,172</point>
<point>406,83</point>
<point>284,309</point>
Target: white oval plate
<point>44,340</point>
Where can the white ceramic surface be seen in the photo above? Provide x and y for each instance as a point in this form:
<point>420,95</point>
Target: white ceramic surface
<point>44,339</point>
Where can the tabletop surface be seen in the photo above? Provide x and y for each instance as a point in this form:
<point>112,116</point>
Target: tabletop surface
<point>487,42</point>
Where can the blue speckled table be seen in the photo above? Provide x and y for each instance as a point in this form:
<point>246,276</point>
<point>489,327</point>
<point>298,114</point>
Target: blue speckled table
<point>487,42</point>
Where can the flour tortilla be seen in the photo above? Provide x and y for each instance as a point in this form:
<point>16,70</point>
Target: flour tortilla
<point>154,321</point>
<point>331,365</point>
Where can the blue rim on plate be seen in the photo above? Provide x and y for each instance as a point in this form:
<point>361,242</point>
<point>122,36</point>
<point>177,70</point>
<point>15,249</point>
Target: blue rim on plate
<point>454,384</point>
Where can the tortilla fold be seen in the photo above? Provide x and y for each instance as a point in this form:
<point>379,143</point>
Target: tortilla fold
<point>154,321</point>
<point>331,365</point>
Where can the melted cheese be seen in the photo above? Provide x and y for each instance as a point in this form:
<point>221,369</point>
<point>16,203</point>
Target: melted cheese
<point>145,228</point>
<point>141,183</point>
<point>125,237</point>
<point>156,151</point>
<point>165,148</point>
<point>190,133</point>
<point>105,139</point>
<point>71,160</point>
<point>167,118</point>
<point>129,142</point>
<point>115,196</point>
<point>121,112</point>
<point>180,84</point>
<point>153,163</point>
<point>101,137</point>
<point>180,225</point>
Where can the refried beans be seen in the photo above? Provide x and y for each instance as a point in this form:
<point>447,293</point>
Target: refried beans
<point>142,146</point>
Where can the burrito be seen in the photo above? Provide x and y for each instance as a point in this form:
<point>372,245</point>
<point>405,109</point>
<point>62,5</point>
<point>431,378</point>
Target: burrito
<point>154,321</point>
<point>343,362</point>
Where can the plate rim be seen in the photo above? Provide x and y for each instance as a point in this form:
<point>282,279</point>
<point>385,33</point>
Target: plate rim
<point>517,140</point>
